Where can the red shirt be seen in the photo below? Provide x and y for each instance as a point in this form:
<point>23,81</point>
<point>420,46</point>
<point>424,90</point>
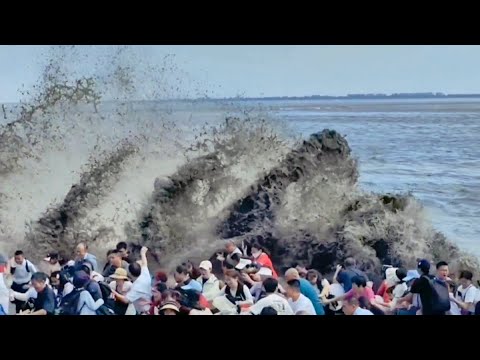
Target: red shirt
<point>264,261</point>
<point>367,292</point>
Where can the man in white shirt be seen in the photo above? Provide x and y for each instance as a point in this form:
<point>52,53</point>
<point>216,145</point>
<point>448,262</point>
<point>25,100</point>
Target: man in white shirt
<point>297,301</point>
<point>273,300</point>
<point>140,294</point>
<point>352,307</point>
<point>210,283</point>
<point>467,294</point>
<point>22,270</point>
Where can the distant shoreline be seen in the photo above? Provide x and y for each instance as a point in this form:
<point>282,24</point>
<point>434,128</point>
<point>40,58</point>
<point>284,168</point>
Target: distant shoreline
<point>406,96</point>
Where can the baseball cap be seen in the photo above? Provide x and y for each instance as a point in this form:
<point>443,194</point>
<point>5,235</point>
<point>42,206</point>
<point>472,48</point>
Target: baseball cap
<point>193,285</point>
<point>424,265</point>
<point>206,265</point>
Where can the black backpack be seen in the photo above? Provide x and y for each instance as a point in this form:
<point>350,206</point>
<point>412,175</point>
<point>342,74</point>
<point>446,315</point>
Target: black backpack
<point>70,303</point>
<point>440,297</point>
<point>109,302</point>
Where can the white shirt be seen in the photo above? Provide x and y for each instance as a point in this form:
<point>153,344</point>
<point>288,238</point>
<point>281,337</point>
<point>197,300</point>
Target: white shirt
<point>21,275</point>
<point>302,304</point>
<point>279,303</point>
<point>361,311</point>
<point>127,285</point>
<point>246,292</point>
<point>140,293</point>
<point>469,295</point>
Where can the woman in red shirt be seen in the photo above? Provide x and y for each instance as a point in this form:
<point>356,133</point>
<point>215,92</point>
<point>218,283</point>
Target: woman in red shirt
<point>261,258</point>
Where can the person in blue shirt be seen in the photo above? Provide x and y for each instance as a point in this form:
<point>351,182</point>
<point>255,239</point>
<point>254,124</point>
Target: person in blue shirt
<point>306,289</point>
<point>345,276</point>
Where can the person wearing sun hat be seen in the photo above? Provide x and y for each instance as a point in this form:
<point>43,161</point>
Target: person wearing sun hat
<point>169,308</point>
<point>210,283</point>
<point>120,287</point>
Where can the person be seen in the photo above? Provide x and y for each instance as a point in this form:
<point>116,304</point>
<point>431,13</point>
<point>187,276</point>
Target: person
<point>184,282</point>
<point>140,293</point>
<point>44,303</point>
<point>235,291</point>
<point>83,254</point>
<point>393,279</point>
<point>359,289</point>
<point>452,290</point>
<point>345,277</point>
<point>22,270</point>
<point>61,286</point>
<point>306,289</point>
<point>261,258</point>
<point>268,310</point>
<point>120,286</point>
<point>297,301</point>
<point>351,307</point>
<point>115,262</point>
<point>320,285</point>
<point>409,304</point>
<point>51,264</point>
<point>425,287</point>
<point>254,280</point>
<point>92,286</point>
<point>159,295</point>
<point>86,304</point>
<point>192,270</point>
<point>467,294</point>
<point>4,293</point>
<point>210,283</point>
<point>272,299</point>
<point>194,305</point>
<point>169,308</point>
<point>122,248</point>
<point>230,249</point>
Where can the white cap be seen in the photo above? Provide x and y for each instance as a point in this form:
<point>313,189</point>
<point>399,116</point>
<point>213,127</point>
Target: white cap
<point>206,265</point>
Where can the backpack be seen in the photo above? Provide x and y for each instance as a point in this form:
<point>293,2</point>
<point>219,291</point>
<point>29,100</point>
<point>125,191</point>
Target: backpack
<point>440,296</point>
<point>70,303</point>
<point>109,302</point>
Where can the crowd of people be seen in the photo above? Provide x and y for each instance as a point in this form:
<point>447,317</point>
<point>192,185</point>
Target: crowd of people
<point>246,283</point>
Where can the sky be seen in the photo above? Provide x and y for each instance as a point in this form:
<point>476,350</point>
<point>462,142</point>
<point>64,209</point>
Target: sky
<point>267,70</point>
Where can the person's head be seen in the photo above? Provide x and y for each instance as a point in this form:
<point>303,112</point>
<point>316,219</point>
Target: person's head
<point>313,276</point>
<point>80,279</point>
<point>424,266</point>
<point>19,257</point>
<point>349,306</point>
<point>181,274</point>
<point>466,278</point>
<point>81,250</point>
<point>86,266</point>
<point>205,269</point>
<point>115,259</point>
<point>270,285</point>
<point>268,310</point>
<point>135,269</point>
<point>293,289</point>
<point>257,250</point>
<point>302,271</point>
<point>292,274</point>
<point>232,279</point>
<point>161,276</point>
<point>230,247</point>
<point>442,270</point>
<point>359,283</point>
<point>158,290</point>
<point>52,258</point>
<point>39,281</point>
<point>235,259</point>
<point>350,262</point>
<point>55,279</point>
<point>122,249</point>
<point>169,308</point>
<point>120,275</point>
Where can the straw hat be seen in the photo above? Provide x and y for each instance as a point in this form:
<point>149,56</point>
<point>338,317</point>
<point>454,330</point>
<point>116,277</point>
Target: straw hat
<point>120,274</point>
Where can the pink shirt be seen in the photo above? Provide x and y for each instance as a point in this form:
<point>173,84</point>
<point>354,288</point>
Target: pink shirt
<point>367,292</point>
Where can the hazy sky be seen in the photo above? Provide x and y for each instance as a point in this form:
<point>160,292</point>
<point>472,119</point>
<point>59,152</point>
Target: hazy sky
<point>290,70</point>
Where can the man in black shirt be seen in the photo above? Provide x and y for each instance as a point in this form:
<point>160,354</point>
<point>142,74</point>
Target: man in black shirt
<point>423,287</point>
<point>45,301</point>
